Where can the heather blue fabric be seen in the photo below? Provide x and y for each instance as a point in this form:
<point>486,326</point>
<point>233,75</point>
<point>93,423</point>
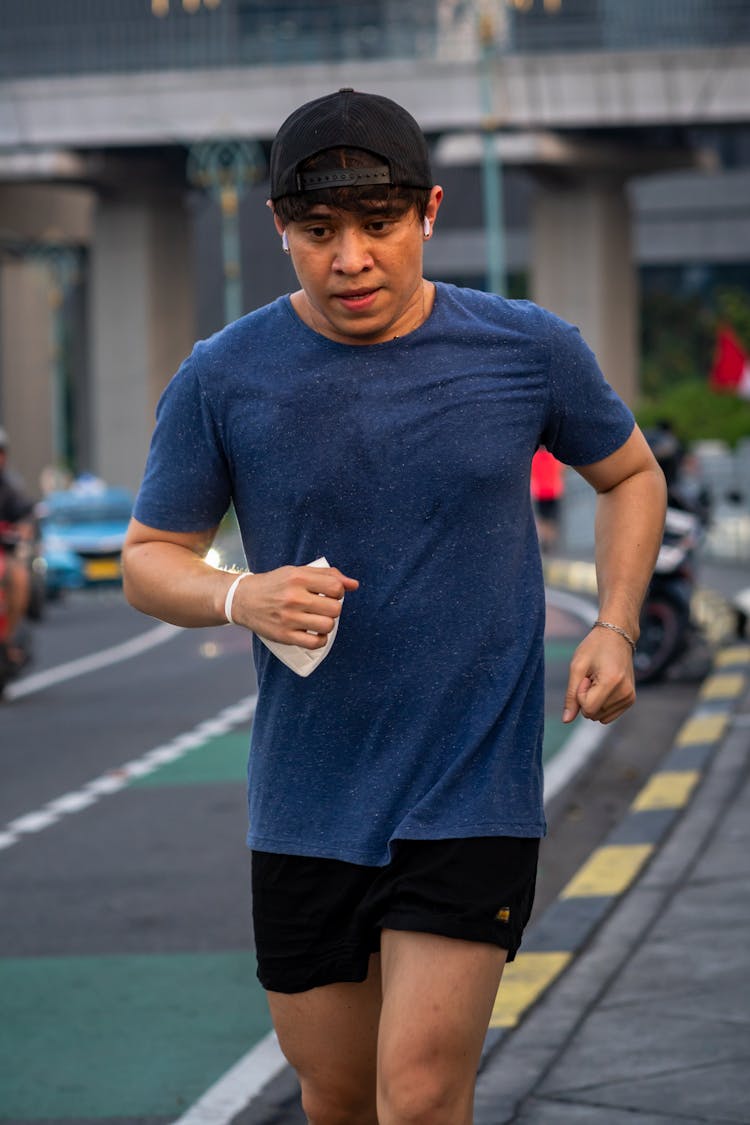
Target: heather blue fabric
<point>407,465</point>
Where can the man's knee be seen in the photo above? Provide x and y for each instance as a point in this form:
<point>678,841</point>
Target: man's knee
<point>424,1093</point>
<point>335,1104</point>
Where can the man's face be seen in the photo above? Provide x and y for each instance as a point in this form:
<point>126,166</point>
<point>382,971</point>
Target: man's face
<point>360,272</point>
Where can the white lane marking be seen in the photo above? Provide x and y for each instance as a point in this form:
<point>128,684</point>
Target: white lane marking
<point>232,1093</point>
<point>115,779</point>
<point>586,736</point>
<point>572,756</point>
<point>38,681</point>
<point>582,608</point>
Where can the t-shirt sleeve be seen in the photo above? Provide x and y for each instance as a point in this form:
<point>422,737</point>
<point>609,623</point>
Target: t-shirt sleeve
<point>586,420</point>
<point>186,484</point>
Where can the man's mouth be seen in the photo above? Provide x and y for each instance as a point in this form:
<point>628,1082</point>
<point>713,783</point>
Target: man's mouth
<point>356,298</point>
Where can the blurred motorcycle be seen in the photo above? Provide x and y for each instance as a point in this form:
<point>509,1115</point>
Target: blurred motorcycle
<point>667,627</point>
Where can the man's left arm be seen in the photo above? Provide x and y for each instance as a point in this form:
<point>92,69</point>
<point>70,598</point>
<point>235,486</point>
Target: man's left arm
<point>631,504</point>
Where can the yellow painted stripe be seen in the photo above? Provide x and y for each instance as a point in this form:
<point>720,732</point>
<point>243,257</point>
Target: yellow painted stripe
<point>724,686</point>
<point>609,871</point>
<point>669,789</point>
<point>574,575</point>
<point>523,982</point>
<point>738,654</point>
<point>702,728</point>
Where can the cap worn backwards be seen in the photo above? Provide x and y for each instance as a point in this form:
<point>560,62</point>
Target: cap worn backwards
<point>349,119</point>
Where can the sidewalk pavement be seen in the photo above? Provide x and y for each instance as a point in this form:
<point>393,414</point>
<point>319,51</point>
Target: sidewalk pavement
<point>651,1021</point>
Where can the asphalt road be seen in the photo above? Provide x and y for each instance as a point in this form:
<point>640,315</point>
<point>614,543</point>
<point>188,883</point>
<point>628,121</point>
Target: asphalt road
<point>127,981</point>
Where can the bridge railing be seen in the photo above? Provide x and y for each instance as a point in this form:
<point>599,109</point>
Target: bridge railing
<point>50,37</point>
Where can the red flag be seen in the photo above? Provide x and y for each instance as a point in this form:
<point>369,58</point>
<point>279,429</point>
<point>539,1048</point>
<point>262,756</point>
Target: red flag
<point>730,372</point>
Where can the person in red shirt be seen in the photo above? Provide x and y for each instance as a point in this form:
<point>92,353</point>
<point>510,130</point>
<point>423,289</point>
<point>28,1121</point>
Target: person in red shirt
<point>547,486</point>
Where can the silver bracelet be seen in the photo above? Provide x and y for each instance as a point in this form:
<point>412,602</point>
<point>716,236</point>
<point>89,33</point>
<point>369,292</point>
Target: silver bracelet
<point>615,629</point>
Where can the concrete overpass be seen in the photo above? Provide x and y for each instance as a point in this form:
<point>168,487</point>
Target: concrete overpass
<point>103,156</point>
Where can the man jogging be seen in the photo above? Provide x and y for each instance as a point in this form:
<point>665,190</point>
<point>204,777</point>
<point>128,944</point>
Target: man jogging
<point>385,425</point>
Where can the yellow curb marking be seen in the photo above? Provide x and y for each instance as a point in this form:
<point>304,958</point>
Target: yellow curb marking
<point>523,982</point>
<point>739,654</point>
<point>725,686</point>
<point>714,616</point>
<point>574,575</point>
<point>669,789</point>
<point>609,871</point>
<point>702,728</point>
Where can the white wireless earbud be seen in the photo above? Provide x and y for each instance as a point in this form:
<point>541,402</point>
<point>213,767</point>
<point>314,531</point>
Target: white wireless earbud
<point>284,242</point>
<point>426,228</point>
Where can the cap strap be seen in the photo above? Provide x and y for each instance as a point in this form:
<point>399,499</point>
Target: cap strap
<point>343,177</point>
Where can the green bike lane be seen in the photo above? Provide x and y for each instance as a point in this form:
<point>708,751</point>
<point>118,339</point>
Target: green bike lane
<point>136,989</point>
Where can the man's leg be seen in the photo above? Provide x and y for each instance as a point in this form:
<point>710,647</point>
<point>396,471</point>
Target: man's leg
<point>438,995</point>
<point>329,1035</point>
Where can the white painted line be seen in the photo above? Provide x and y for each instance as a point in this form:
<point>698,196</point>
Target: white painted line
<point>231,1094</point>
<point>38,681</point>
<point>115,779</point>
<point>586,736</point>
<point>32,822</point>
<point>572,756</point>
<point>108,783</point>
<point>582,608</point>
<point>73,802</point>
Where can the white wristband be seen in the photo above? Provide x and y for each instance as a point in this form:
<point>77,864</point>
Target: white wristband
<point>230,595</point>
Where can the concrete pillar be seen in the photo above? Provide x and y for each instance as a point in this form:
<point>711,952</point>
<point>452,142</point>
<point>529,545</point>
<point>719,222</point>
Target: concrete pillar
<point>141,321</point>
<point>33,218</point>
<point>26,362</point>
<point>582,268</point>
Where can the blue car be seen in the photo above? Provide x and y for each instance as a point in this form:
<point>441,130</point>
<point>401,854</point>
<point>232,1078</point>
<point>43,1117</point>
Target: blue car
<point>82,530</point>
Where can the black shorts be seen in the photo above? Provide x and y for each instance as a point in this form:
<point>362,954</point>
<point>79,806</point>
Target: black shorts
<point>318,920</point>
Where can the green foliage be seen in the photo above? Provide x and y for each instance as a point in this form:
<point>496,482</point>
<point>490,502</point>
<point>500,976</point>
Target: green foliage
<point>677,341</point>
<point>733,308</point>
<point>697,413</point>
<point>679,338</point>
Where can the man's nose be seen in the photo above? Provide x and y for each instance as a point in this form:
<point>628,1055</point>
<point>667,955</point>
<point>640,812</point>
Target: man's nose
<point>352,252</point>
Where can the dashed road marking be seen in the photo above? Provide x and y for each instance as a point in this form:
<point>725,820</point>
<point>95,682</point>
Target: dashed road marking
<point>608,871</point>
<point>523,981</point>
<point>116,779</point>
<point>726,685</point>
<point>667,789</point>
<point>702,728</point>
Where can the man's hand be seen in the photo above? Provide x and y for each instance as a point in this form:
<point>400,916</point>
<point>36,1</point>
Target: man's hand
<point>601,684</point>
<point>295,605</point>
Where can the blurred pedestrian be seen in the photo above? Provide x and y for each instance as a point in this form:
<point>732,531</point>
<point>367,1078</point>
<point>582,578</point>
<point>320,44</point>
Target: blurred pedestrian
<point>387,423</point>
<point>547,486</point>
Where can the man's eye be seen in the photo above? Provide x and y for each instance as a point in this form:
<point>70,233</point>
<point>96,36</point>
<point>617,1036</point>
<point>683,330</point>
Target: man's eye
<point>378,226</point>
<point>317,232</point>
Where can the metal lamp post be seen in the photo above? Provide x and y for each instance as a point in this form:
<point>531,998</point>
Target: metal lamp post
<point>492,183</point>
<point>225,168</point>
<point>62,266</point>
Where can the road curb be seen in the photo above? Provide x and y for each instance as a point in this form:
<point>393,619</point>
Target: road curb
<point>566,928</point>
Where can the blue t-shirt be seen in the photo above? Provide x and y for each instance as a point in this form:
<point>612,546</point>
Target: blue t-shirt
<point>407,465</point>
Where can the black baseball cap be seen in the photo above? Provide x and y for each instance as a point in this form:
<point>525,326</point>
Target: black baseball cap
<point>349,119</point>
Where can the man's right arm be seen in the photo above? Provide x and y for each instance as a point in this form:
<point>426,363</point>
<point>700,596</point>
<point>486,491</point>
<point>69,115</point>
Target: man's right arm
<point>166,576</point>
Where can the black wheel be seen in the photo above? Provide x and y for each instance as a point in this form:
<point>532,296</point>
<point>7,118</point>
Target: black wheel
<point>35,611</point>
<point>5,669</point>
<point>663,626</point>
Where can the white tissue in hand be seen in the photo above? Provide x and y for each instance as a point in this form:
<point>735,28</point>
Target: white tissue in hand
<point>303,661</point>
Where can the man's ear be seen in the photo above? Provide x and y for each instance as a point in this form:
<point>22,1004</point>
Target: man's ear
<point>276,220</point>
